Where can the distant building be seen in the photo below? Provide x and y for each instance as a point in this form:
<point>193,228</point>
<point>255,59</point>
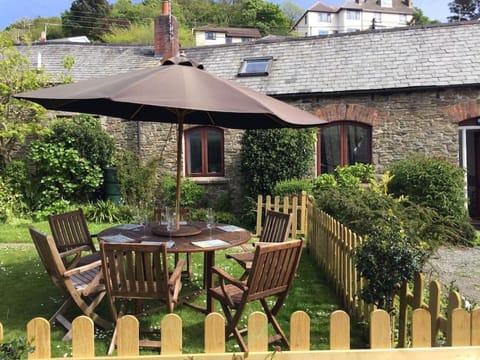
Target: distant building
<point>354,15</point>
<point>209,35</point>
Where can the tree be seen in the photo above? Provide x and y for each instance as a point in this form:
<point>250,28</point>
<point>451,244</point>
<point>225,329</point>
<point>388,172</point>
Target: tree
<point>86,17</point>
<point>292,11</point>
<point>463,10</point>
<point>419,18</point>
<point>267,17</point>
<point>18,118</point>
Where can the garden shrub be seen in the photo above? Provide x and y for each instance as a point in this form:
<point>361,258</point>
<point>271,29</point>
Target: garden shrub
<point>84,133</point>
<point>354,174</point>
<point>386,259</point>
<point>137,180</point>
<point>102,212</point>
<point>293,187</point>
<point>438,184</point>
<point>190,193</point>
<point>11,203</point>
<point>270,156</point>
<point>61,173</point>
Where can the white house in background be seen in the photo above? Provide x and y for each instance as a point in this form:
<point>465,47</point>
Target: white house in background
<point>354,15</point>
<point>209,35</point>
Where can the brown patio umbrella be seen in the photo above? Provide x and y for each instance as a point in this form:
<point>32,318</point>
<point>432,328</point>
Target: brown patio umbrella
<point>178,91</point>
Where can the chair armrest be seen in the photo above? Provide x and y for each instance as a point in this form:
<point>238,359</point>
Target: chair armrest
<point>74,251</point>
<point>229,278</point>
<point>177,272</point>
<point>83,268</point>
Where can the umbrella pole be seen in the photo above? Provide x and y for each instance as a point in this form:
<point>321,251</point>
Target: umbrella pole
<point>181,116</point>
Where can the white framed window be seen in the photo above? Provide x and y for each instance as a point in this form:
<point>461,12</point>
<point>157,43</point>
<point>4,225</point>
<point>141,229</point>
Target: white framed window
<point>377,17</point>
<point>255,66</point>
<point>402,19</point>
<point>322,32</point>
<point>324,17</point>
<point>353,15</point>
<point>210,35</point>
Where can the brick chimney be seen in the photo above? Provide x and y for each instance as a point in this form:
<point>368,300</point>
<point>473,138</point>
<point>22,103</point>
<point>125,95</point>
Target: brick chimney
<point>166,33</point>
<point>409,3</point>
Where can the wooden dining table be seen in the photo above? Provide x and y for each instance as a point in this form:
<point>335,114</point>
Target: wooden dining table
<point>191,237</point>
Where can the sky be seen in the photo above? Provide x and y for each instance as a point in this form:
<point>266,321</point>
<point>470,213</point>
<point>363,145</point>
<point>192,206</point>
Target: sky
<point>14,10</point>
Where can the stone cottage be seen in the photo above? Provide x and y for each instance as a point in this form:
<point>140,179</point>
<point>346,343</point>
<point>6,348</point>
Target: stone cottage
<point>384,93</point>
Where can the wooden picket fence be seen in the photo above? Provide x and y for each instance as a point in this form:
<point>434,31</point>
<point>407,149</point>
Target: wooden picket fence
<point>297,207</point>
<point>332,245</point>
<point>464,343</point>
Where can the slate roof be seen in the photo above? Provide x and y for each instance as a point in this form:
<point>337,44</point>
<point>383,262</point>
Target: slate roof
<point>398,7</point>
<point>392,59</point>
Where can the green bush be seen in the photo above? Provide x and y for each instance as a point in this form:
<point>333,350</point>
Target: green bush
<point>190,193</point>
<point>102,212</point>
<point>387,259</point>
<point>84,133</point>
<point>137,181</point>
<point>61,173</point>
<point>270,156</point>
<point>353,174</point>
<point>11,203</point>
<point>293,187</point>
<point>438,184</point>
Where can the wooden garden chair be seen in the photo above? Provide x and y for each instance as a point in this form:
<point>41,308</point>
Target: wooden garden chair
<point>81,285</point>
<point>139,272</point>
<point>276,229</point>
<point>185,215</point>
<point>72,238</point>
<point>273,269</point>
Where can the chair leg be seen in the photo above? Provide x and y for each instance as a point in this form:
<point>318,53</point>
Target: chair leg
<point>187,274</point>
<point>279,334</point>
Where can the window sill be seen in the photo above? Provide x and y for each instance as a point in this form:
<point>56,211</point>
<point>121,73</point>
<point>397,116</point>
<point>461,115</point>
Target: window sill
<point>209,180</point>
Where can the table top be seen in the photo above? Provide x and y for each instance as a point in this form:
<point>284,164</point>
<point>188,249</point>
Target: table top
<point>230,235</point>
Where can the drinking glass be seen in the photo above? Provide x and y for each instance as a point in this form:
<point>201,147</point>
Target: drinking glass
<point>170,225</point>
<point>210,220</point>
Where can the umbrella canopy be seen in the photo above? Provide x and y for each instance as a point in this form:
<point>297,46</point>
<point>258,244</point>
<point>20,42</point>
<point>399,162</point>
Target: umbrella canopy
<point>174,93</point>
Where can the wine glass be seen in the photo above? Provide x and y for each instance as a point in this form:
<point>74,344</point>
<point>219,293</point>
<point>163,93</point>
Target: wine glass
<point>170,225</point>
<point>210,220</point>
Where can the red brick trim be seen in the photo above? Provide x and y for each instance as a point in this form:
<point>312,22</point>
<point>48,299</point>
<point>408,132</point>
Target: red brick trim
<point>463,111</point>
<point>352,112</point>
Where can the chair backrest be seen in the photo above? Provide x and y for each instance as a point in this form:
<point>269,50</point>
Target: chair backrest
<point>70,230</point>
<point>277,227</point>
<point>273,269</point>
<point>50,257</point>
<point>135,271</point>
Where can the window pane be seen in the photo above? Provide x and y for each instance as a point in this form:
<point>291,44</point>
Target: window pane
<point>214,140</point>
<point>358,146</point>
<point>330,149</point>
<point>195,155</point>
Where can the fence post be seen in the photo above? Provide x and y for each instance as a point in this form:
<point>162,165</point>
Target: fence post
<point>214,333</point>
<point>257,332</point>
<point>1,333</point>
<point>258,227</point>
<point>380,330</point>
<point>421,328</point>
<point>128,336</point>
<point>171,334</point>
<point>475,325</point>
<point>299,331</point>
<point>38,333</point>
<point>339,330</point>
<point>83,344</point>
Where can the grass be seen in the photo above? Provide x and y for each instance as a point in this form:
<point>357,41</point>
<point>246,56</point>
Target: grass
<point>28,292</point>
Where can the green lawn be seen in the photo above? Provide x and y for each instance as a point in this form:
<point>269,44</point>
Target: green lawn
<point>27,292</point>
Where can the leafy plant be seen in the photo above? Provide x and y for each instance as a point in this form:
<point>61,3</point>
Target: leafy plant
<point>15,349</point>
<point>271,156</point>
<point>102,212</point>
<point>386,259</point>
<point>293,187</point>
<point>190,193</point>
<point>84,133</point>
<point>137,180</point>
<point>61,173</point>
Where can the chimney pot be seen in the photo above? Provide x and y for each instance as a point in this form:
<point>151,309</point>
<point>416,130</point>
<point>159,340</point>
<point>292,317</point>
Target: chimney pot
<point>165,7</point>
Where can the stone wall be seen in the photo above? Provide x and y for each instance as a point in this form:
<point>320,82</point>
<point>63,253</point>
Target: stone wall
<point>404,122</point>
